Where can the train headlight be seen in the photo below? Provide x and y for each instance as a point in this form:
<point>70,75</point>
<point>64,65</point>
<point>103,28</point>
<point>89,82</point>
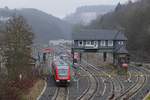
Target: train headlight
<point>57,80</point>
<point>68,80</point>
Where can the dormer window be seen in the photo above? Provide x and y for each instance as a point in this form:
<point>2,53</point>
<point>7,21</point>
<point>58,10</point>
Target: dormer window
<point>120,42</point>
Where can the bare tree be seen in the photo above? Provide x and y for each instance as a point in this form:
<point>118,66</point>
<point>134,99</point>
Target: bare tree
<point>18,41</point>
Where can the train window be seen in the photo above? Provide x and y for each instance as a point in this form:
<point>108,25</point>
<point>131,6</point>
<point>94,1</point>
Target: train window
<point>63,72</point>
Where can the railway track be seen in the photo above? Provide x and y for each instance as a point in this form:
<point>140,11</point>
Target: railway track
<point>100,93</point>
<point>90,92</point>
<point>116,86</point>
<point>118,92</point>
<point>61,93</point>
<point>142,93</point>
<point>135,88</point>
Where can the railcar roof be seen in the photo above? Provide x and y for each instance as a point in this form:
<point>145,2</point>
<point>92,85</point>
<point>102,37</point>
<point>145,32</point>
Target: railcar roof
<point>61,64</point>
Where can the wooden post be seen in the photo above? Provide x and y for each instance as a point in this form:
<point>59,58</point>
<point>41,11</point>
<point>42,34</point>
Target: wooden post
<point>87,57</point>
<point>104,56</point>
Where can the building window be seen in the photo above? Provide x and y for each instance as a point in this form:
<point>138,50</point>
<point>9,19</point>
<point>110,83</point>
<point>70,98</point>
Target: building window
<point>80,43</point>
<point>95,43</point>
<point>103,43</point>
<point>92,42</point>
<point>120,42</point>
<point>110,43</point>
<point>88,43</point>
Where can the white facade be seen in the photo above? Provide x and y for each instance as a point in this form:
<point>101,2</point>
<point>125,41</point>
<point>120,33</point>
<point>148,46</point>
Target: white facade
<point>59,41</point>
<point>87,17</point>
<point>4,19</point>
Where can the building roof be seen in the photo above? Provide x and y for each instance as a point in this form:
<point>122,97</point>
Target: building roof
<point>121,49</point>
<point>98,35</point>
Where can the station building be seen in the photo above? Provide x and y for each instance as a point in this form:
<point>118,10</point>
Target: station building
<point>101,41</point>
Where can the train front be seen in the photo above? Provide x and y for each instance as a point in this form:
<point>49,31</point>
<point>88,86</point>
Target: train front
<point>63,74</point>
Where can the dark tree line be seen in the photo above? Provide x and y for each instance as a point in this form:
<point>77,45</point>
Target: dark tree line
<point>134,20</point>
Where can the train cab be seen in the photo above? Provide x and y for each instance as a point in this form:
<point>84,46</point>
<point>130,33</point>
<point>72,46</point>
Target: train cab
<point>61,72</point>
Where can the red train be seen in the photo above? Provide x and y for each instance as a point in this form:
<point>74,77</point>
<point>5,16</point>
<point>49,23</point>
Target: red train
<point>61,72</point>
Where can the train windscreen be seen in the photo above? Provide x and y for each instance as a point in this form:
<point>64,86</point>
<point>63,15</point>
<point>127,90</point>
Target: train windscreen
<point>63,72</point>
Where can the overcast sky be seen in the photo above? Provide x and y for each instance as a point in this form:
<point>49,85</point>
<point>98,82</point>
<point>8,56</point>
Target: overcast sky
<point>57,8</point>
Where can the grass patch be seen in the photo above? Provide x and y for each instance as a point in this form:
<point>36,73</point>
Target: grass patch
<point>122,72</point>
<point>35,91</point>
<point>148,98</point>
